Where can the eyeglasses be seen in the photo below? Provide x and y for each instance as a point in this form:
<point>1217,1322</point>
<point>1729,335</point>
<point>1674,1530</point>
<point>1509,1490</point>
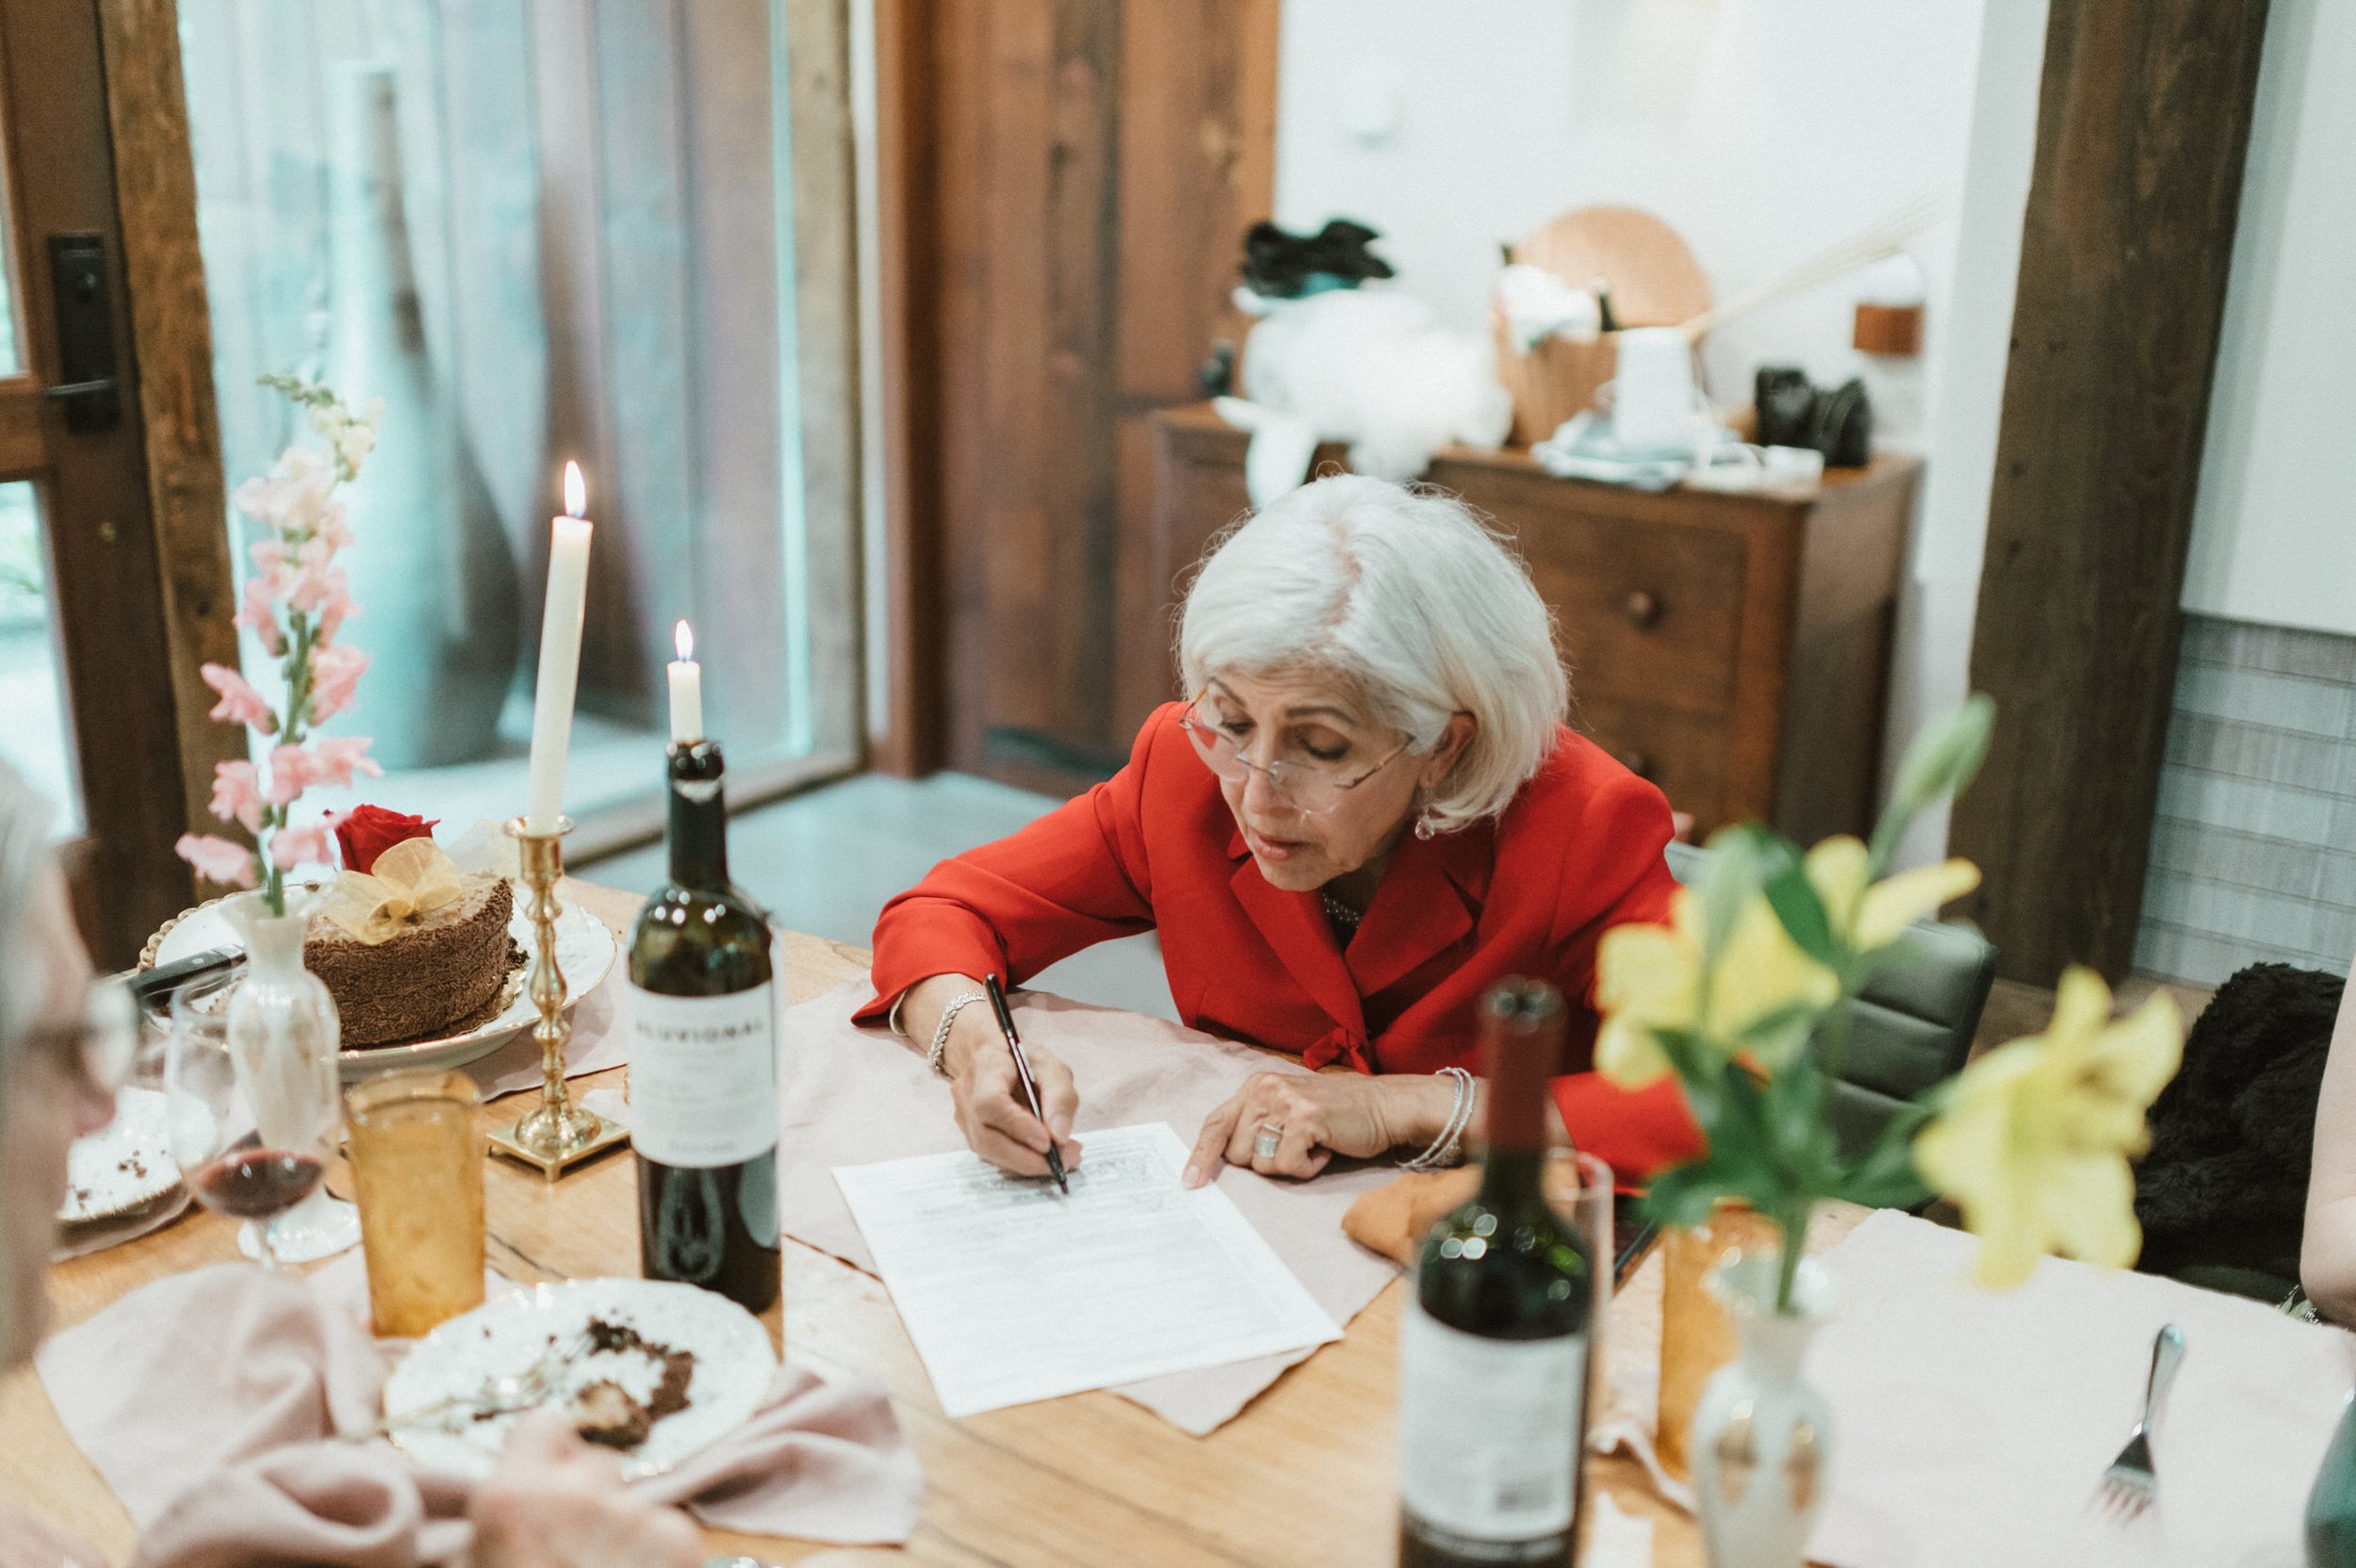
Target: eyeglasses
<point>1305,785</point>
<point>101,1044</point>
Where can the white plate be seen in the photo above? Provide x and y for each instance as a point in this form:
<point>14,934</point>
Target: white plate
<point>584,951</point>
<point>124,1163</point>
<point>503,1339</point>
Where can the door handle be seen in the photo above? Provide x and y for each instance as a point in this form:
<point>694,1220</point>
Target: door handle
<point>84,305</point>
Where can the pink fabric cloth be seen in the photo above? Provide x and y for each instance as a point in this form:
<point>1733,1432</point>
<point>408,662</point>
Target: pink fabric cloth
<point>1969,1425</point>
<point>205,1399</point>
<point>857,1095</point>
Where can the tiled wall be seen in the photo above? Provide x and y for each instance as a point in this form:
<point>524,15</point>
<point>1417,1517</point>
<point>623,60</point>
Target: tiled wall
<point>2253,853</point>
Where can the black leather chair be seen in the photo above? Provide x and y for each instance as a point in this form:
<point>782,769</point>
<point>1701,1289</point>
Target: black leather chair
<point>1914,1021</point>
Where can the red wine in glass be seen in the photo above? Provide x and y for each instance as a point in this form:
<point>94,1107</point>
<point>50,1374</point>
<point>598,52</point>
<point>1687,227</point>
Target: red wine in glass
<point>256,1183</point>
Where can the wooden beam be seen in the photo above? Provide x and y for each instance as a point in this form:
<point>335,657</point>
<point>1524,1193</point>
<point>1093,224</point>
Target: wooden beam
<point>171,333</point>
<point>909,351</point>
<point>2143,123</point>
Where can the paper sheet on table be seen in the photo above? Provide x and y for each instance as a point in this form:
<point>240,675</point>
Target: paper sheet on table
<point>1014,1291</point>
<point>854,1096</point>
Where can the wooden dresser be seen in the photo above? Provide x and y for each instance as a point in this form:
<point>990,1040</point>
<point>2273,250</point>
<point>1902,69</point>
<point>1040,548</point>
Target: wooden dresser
<point>1732,648</point>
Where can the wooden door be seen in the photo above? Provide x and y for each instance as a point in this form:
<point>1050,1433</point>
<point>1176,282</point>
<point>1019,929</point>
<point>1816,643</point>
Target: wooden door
<point>79,458</point>
<point>1078,176</point>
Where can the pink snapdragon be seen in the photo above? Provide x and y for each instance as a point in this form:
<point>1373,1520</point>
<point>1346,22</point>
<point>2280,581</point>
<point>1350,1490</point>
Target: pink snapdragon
<point>293,846</point>
<point>219,859</point>
<point>238,795</point>
<point>336,671</point>
<point>325,763</point>
<point>257,614</point>
<point>239,703</point>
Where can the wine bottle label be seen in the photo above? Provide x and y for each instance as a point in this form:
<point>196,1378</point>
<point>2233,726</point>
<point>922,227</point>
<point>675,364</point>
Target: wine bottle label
<point>1488,1430</point>
<point>703,1076</point>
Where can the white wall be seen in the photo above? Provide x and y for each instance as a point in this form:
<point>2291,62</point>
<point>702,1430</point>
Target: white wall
<point>2274,529</point>
<point>1760,130</point>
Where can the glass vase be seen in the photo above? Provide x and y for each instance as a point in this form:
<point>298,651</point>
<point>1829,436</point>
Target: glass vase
<point>2332,1506</point>
<point>1762,1438</point>
<point>283,1027</point>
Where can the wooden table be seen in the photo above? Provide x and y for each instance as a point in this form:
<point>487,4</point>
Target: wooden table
<point>1302,1477</point>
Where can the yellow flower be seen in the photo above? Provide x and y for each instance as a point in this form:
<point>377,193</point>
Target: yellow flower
<point>1876,916</point>
<point>2033,1141</point>
<point>1648,978</point>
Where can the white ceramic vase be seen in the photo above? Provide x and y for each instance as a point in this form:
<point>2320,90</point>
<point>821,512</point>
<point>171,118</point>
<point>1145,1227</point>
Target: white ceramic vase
<point>285,1036</point>
<point>429,561</point>
<point>1762,1438</point>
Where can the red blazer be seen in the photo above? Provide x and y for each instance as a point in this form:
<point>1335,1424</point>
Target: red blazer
<point>1154,848</point>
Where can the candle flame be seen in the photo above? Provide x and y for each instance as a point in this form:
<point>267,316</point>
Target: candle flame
<point>683,639</point>
<point>576,493</point>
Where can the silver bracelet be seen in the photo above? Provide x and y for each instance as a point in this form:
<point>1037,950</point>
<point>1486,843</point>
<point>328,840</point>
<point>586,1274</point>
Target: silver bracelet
<point>1448,1148</point>
<point>940,1030</point>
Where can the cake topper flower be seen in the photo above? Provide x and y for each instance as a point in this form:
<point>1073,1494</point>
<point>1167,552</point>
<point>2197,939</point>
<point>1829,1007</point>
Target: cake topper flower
<point>295,604</point>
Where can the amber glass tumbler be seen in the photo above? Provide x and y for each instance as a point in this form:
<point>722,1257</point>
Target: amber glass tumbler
<point>417,1160</point>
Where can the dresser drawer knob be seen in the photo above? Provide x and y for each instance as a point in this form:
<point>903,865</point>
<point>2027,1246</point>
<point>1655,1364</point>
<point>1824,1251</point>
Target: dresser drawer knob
<point>1636,762</point>
<point>1642,609</point>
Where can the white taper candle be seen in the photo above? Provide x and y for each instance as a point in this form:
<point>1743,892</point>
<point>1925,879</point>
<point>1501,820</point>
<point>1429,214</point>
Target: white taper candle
<point>560,657</point>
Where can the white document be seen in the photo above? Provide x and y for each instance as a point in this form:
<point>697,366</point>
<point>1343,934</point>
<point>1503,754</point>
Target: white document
<point>1014,1292</point>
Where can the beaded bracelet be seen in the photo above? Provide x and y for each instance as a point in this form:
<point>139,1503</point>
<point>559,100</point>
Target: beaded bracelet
<point>1445,1150</point>
<point>940,1030</point>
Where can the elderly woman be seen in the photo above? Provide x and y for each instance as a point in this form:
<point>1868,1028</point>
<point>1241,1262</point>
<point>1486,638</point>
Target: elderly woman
<point>1367,812</point>
<point>554,1502</point>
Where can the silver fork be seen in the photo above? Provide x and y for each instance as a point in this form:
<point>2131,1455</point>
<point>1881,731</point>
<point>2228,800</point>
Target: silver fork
<point>2128,1486</point>
<point>497,1396</point>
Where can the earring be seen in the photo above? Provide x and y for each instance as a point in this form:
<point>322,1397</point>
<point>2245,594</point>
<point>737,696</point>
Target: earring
<point>1426,828</point>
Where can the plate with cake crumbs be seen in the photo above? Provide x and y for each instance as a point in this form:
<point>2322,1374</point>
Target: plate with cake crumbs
<point>124,1164</point>
<point>654,1371</point>
<point>441,999</point>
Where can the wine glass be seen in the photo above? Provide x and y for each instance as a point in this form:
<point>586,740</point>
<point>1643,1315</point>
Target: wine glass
<point>251,1131</point>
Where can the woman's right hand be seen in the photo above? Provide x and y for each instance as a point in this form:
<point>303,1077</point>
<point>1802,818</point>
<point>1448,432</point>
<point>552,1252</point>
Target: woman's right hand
<point>991,1112</point>
<point>555,1502</point>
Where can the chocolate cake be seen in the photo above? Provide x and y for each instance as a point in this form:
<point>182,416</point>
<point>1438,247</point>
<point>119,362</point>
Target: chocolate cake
<point>448,973</point>
<point>606,1412</point>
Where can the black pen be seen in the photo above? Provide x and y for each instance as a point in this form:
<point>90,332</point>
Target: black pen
<point>1023,1070</point>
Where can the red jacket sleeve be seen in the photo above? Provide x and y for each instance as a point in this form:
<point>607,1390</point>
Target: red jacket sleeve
<point>1625,879</point>
<point>1075,877</point>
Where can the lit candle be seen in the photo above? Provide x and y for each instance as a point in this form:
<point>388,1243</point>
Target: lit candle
<point>687,690</point>
<point>560,658</point>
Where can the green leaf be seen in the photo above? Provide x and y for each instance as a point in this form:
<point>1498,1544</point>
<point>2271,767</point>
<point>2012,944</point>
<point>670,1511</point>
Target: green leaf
<point>1729,884</point>
<point>1943,761</point>
<point>1684,1197</point>
<point>1794,898</point>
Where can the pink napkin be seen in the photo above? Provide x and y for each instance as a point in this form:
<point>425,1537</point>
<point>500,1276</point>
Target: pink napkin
<point>854,1096</point>
<point>600,1040</point>
<point>203,1397</point>
<point>1970,1427</point>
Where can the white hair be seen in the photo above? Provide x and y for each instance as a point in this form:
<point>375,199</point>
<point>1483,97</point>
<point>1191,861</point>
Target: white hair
<point>1408,597</point>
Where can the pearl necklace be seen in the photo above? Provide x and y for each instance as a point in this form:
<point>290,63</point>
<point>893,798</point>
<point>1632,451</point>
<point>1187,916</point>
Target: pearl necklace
<point>1341,914</point>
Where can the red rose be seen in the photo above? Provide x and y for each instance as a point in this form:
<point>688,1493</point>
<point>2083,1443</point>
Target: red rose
<point>366,832</point>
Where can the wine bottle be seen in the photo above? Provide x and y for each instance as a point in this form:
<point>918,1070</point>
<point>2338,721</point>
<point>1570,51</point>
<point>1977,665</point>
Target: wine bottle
<point>1493,1341</point>
<point>702,997</point>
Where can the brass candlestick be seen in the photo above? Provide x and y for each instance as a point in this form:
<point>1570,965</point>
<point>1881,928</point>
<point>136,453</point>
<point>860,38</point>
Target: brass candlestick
<point>558,1134</point>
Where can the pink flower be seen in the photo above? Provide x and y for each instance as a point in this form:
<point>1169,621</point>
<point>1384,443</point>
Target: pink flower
<point>219,859</point>
<point>336,608</point>
<point>343,756</point>
<point>237,794</point>
<point>257,616</point>
<point>295,495</point>
<point>329,763</point>
<point>336,671</point>
<point>295,847</point>
<point>333,527</point>
<point>239,703</point>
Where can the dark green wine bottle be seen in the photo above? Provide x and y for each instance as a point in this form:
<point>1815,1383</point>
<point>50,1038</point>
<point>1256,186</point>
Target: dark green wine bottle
<point>703,1064</point>
<point>1494,1343</point>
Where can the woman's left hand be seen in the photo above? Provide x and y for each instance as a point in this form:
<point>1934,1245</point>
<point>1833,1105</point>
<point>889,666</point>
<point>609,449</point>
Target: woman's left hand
<point>1317,1117</point>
